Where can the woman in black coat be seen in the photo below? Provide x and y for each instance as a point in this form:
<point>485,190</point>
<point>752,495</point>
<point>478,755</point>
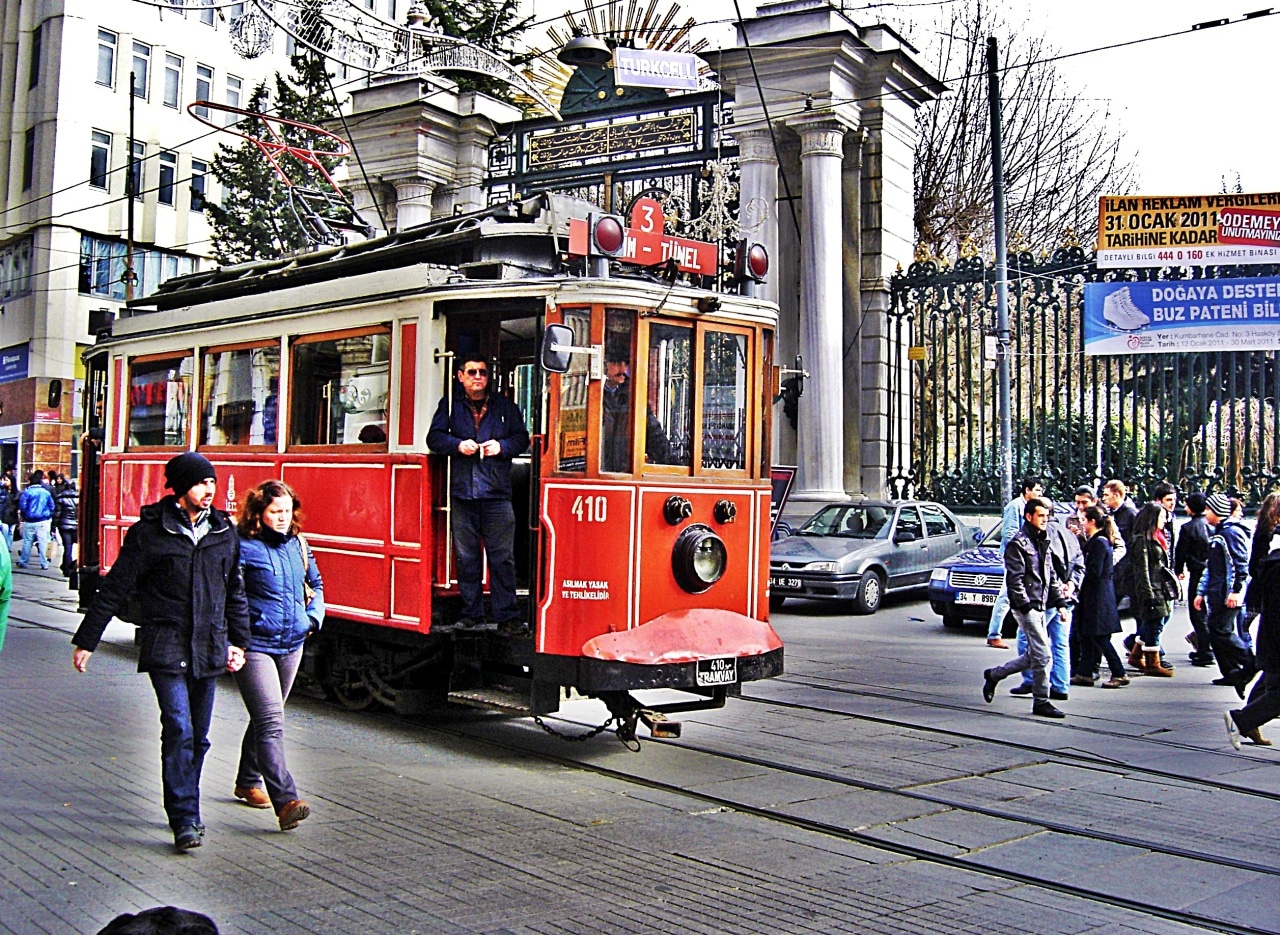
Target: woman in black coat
<point>1096,614</point>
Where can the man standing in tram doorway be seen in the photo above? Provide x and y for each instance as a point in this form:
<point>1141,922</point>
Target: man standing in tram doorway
<point>481,432</point>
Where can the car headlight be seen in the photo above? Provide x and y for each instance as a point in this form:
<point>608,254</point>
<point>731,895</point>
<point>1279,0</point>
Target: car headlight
<point>698,559</point>
<point>939,574</point>
<point>823,566</point>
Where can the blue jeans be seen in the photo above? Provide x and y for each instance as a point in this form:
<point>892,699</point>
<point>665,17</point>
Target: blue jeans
<point>1232,655</point>
<point>489,525</point>
<point>998,612</point>
<point>7,530</point>
<point>186,708</point>
<point>1057,621</point>
<point>37,532</point>
<point>1149,632</point>
<point>264,684</point>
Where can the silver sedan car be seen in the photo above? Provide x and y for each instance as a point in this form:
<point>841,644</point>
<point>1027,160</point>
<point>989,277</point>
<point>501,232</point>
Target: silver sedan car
<point>861,550</point>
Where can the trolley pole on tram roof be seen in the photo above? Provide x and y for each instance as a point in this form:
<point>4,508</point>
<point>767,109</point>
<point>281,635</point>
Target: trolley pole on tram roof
<point>1002,275</point>
<point>129,276</point>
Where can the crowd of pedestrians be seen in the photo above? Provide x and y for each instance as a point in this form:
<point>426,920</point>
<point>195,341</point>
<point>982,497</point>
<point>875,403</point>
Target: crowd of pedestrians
<point>34,512</point>
<point>1068,580</point>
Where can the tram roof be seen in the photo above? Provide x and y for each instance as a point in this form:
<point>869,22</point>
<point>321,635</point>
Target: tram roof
<point>520,232</point>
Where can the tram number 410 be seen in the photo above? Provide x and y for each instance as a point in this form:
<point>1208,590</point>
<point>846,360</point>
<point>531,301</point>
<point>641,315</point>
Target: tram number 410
<point>590,509</point>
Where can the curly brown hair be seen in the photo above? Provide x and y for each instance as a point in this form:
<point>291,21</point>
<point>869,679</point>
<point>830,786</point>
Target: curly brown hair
<point>256,501</point>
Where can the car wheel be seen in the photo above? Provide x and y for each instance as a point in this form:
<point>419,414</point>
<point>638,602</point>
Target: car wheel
<point>776,601</point>
<point>952,622</point>
<point>870,593</point>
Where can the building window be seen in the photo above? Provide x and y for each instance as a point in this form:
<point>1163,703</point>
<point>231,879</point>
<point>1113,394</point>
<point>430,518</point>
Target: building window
<point>99,159</point>
<point>138,150</point>
<point>181,7</point>
<point>339,389</point>
<point>199,170</point>
<point>33,67</point>
<point>168,173</point>
<point>106,58</point>
<point>234,86</point>
<point>172,80</point>
<point>102,267</point>
<point>141,68</point>
<point>15,269</point>
<point>160,401</point>
<point>241,396</point>
<point>206,14</point>
<point>28,159</point>
<point>204,88</point>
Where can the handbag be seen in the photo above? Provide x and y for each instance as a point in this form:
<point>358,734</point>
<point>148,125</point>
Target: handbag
<point>1167,584</point>
<point>308,592</point>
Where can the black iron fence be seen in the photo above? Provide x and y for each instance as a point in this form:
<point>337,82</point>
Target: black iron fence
<point>1206,421</point>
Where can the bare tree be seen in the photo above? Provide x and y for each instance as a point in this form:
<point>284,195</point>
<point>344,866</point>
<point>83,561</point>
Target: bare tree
<point>1060,150</point>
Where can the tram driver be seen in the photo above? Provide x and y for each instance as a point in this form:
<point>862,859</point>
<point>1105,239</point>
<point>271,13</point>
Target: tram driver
<point>481,431</point>
<point>615,437</point>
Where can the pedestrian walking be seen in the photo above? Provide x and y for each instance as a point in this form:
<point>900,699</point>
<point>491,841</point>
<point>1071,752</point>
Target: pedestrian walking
<point>1096,617</point>
<point>1190,557</point>
<point>1030,578</point>
<point>1259,547</point>
<point>1154,589</point>
<point>66,507</point>
<point>1010,522</point>
<point>6,591</point>
<point>182,558</point>
<point>286,603</point>
<point>1068,569</point>
<point>9,517</point>
<point>1264,700</point>
<point>1115,497</point>
<point>1222,590</point>
<point>35,505</point>
<point>1165,495</point>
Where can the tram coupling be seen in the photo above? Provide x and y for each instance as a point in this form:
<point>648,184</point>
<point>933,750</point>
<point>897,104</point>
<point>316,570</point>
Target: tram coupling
<point>629,712</point>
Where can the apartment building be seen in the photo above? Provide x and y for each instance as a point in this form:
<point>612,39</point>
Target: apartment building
<point>65,91</point>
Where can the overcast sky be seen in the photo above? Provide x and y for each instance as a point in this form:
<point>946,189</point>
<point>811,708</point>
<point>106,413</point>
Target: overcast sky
<point>1193,108</point>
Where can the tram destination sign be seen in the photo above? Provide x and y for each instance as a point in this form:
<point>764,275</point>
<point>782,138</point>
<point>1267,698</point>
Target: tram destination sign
<point>1180,315</point>
<point>563,146</point>
<point>1233,229</point>
<point>647,245</point>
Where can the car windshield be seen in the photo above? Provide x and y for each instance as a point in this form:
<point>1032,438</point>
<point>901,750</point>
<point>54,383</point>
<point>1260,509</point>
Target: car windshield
<point>849,522</point>
<point>992,539</point>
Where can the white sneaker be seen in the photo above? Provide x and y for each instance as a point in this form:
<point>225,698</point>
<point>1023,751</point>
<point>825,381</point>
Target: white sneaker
<point>1233,732</point>
<point>1119,310</point>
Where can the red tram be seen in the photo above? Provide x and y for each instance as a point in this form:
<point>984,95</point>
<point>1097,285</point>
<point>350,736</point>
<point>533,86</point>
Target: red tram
<point>635,570</point>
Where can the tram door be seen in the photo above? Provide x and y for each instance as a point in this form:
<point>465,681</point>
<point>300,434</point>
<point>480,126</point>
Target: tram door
<point>509,338</point>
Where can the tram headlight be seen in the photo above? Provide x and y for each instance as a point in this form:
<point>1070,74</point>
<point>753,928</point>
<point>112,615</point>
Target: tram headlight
<point>699,558</point>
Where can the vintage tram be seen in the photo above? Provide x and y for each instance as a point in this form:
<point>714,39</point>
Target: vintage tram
<point>642,535</point>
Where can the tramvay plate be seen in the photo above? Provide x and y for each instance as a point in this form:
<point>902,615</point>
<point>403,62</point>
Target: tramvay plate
<point>717,671</point>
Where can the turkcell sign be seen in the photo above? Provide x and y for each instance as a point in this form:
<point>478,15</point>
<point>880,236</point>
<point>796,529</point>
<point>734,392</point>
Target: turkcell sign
<point>1182,315</point>
<point>647,68</point>
<point>13,362</point>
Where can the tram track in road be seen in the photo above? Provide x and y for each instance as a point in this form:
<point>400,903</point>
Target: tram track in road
<point>1080,759</point>
<point>868,838</point>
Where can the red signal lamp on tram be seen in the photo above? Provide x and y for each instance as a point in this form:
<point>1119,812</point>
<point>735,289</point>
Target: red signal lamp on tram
<point>606,240</point>
<point>750,265</point>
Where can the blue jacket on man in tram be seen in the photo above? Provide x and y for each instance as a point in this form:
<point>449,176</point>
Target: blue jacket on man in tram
<point>479,478</point>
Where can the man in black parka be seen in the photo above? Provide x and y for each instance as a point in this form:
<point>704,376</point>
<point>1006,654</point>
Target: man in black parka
<point>1264,700</point>
<point>182,558</point>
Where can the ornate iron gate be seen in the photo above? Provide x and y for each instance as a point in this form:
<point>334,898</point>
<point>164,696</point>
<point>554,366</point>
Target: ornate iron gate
<point>1205,421</point>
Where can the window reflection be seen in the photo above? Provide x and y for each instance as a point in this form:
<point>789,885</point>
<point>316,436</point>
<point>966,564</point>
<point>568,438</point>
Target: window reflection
<point>724,401</point>
<point>617,426</point>
<point>340,391</point>
<point>160,401</point>
<point>670,365</point>
<point>572,452</point>
<point>241,396</point>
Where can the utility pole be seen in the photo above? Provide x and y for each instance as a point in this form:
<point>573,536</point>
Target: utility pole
<point>1002,275</point>
<point>129,276</point>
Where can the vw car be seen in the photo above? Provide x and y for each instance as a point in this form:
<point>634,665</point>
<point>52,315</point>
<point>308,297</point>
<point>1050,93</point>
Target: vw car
<point>964,587</point>
<point>861,550</point>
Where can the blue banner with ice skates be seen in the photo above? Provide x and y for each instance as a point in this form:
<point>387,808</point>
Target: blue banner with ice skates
<point>1185,315</point>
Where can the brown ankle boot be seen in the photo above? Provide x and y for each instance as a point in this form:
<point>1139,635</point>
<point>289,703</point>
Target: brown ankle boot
<point>1153,665</point>
<point>1135,655</point>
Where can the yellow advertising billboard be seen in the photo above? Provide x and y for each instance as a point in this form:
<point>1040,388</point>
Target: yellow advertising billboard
<point>1188,230</point>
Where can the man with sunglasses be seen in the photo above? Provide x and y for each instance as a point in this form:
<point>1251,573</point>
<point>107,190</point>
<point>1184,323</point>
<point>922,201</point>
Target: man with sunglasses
<point>481,431</point>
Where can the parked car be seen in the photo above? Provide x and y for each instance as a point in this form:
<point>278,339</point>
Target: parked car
<point>861,550</point>
<point>964,587</point>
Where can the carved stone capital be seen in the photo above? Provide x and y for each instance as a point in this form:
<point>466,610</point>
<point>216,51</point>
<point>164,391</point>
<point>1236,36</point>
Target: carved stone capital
<point>414,192</point>
<point>756,146</point>
<point>822,139</point>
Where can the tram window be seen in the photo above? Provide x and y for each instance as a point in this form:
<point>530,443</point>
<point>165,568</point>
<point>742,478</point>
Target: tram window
<point>159,401</point>
<point>668,436</point>
<point>617,425</point>
<point>340,390</point>
<point>724,401</point>
<point>240,398</point>
<point>571,455</point>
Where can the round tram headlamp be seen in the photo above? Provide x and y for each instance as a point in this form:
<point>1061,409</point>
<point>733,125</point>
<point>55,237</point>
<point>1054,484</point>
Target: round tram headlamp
<point>699,558</point>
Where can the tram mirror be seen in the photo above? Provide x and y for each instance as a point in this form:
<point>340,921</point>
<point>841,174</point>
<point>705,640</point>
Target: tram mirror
<point>557,346</point>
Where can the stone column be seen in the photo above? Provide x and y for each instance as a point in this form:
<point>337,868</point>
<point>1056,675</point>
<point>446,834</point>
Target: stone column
<point>851,342</point>
<point>821,433</point>
<point>413,203</point>
<point>758,197</point>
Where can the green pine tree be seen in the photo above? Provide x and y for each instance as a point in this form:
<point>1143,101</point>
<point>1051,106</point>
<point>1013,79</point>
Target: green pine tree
<point>258,217</point>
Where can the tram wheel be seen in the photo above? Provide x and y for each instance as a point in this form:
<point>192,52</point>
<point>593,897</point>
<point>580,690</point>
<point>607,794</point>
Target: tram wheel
<point>344,675</point>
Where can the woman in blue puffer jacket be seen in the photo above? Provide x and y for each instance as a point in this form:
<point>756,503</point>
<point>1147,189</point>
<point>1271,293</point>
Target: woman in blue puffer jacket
<point>286,603</point>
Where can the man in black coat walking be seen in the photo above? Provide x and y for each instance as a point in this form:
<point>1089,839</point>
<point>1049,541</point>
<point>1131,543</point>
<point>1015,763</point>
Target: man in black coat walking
<point>1264,699</point>
<point>182,558</point>
<point>1190,557</point>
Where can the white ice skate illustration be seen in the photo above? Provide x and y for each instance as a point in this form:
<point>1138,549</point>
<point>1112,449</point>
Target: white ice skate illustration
<point>1120,312</point>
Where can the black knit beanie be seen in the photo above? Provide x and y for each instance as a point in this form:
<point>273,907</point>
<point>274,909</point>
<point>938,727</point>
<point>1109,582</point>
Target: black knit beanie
<point>186,470</point>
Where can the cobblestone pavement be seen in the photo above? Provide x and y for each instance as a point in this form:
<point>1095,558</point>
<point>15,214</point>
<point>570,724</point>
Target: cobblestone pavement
<point>418,829</point>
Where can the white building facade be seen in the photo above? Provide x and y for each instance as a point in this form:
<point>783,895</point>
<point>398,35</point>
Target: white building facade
<point>65,92</point>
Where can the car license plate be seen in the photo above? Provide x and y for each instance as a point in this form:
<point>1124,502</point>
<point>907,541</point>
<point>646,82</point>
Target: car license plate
<point>975,597</point>
<point>791,583</point>
<point>717,671</point>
